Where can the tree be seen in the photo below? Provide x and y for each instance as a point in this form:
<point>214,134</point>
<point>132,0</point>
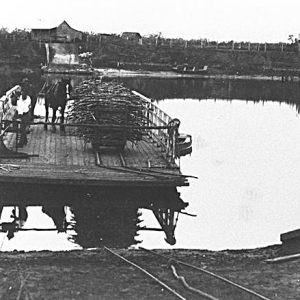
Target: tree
<point>291,38</point>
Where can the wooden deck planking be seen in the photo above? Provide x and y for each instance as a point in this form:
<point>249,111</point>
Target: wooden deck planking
<point>43,147</point>
<point>33,142</point>
<point>66,159</point>
<point>131,156</point>
<point>152,153</point>
<point>110,159</point>
<point>39,143</point>
<point>60,151</point>
<point>10,140</point>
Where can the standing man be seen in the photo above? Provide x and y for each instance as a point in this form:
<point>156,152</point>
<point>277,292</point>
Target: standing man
<point>23,109</point>
<point>28,88</point>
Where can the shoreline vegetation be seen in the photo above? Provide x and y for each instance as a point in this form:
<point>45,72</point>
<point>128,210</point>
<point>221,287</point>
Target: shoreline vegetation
<point>156,56</point>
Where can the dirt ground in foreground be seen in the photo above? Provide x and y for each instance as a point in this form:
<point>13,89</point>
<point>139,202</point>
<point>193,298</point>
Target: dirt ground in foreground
<point>98,274</point>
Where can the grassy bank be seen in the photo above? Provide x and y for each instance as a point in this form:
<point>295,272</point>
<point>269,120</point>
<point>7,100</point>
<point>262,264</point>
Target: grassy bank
<point>100,275</point>
<point>161,57</point>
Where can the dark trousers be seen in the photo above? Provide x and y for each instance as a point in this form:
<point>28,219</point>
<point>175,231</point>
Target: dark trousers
<point>33,103</point>
<point>25,121</point>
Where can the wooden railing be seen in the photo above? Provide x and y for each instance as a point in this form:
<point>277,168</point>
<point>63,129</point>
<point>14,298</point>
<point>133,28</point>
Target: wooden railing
<point>166,133</point>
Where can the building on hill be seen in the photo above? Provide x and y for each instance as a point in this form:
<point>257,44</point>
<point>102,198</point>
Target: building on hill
<point>131,36</point>
<point>62,33</point>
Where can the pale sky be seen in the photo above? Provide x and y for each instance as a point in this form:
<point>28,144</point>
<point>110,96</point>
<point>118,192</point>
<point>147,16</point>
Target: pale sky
<point>222,20</point>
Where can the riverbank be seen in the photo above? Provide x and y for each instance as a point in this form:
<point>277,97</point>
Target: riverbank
<point>122,73</point>
<point>98,274</point>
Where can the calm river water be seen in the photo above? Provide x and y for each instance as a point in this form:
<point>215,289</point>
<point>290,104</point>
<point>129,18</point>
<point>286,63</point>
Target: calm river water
<point>246,155</point>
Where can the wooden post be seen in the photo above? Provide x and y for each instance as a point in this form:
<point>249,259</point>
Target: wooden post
<point>232,45</point>
<point>185,45</point>
<point>258,47</point>
<point>170,43</point>
<point>265,47</point>
<point>281,47</point>
<point>249,46</point>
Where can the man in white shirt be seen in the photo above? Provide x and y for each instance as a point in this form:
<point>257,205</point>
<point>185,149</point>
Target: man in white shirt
<point>23,108</point>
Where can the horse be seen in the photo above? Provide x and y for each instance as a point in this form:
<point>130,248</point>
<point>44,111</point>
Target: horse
<point>57,95</point>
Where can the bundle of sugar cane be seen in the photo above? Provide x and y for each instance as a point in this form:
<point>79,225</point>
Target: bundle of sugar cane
<point>110,104</point>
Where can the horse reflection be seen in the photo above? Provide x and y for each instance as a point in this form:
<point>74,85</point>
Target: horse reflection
<point>58,215</point>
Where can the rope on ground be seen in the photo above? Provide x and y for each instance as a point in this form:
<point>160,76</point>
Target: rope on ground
<point>212,275</point>
<point>186,285</point>
<point>22,284</point>
<point>147,273</point>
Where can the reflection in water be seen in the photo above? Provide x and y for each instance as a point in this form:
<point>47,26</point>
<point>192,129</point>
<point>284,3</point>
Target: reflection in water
<point>98,226</point>
<point>18,220</point>
<point>89,221</point>
<point>58,215</point>
<point>252,90</point>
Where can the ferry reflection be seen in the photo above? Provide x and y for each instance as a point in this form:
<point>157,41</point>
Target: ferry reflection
<point>105,226</point>
<point>108,223</point>
<point>98,223</point>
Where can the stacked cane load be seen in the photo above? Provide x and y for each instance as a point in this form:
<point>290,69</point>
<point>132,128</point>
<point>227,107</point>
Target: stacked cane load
<point>109,104</point>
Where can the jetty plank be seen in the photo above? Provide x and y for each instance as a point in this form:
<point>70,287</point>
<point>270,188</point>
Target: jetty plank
<point>67,160</point>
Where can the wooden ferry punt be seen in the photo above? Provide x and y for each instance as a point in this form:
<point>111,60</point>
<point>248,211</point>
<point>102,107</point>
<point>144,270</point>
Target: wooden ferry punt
<point>59,169</point>
<point>65,159</point>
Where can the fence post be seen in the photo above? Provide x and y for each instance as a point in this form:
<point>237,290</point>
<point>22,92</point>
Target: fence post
<point>232,45</point>
<point>265,47</point>
<point>249,46</point>
<point>281,47</point>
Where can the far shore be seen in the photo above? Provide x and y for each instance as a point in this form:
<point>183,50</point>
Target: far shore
<point>121,73</point>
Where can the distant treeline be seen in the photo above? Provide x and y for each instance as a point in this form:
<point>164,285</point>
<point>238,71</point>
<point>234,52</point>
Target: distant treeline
<point>156,53</point>
<point>158,40</point>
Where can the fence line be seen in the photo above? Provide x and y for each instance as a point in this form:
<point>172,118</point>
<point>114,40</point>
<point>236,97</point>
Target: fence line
<point>100,39</point>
